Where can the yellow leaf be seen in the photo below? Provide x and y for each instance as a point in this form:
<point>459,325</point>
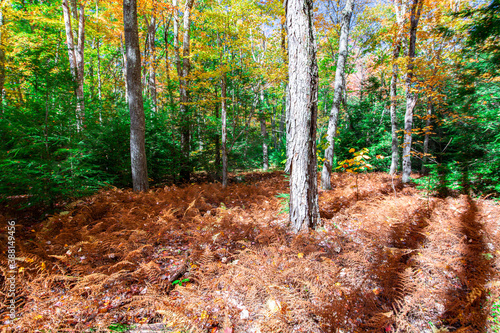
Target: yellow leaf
<point>300,255</point>
<point>204,315</point>
<point>21,269</point>
<point>42,267</point>
<point>352,150</point>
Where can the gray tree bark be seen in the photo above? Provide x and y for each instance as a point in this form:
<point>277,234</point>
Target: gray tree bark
<point>152,62</point>
<point>183,69</point>
<point>430,109</point>
<point>411,95</point>
<point>124,68</point>
<point>400,9</point>
<point>337,95</point>
<point>263,132</point>
<point>218,170</point>
<point>76,57</point>
<point>80,65</point>
<point>135,100</point>
<point>224,129</point>
<point>167,64</point>
<point>302,115</point>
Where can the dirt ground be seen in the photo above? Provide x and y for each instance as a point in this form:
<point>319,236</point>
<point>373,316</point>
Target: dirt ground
<point>200,258</point>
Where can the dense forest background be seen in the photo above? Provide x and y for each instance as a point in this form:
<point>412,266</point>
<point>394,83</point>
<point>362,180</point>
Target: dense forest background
<point>65,129</point>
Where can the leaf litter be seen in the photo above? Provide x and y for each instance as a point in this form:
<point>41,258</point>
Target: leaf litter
<point>208,259</point>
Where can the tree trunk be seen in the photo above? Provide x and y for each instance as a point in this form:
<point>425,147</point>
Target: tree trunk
<point>135,101</point>
<point>224,128</point>
<point>301,123</point>
<point>394,124</point>
<point>263,132</point>
<point>274,130</point>
<point>337,95</point>
<point>282,134</point>
<point>430,109</point>
<point>183,72</point>
<point>75,58</point>
<point>400,13</point>
<point>99,81</point>
<point>80,66</point>
<point>167,66</point>
<point>217,141</point>
<point>411,95</point>
<point>124,71</point>
<point>152,62</point>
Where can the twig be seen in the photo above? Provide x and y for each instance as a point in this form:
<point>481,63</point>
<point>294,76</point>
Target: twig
<point>447,145</point>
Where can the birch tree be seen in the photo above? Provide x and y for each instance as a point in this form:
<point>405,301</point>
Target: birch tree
<point>135,100</point>
<point>152,91</point>
<point>411,94</point>
<point>76,56</point>
<point>302,115</point>
<point>224,128</point>
<point>337,95</point>
<point>400,9</point>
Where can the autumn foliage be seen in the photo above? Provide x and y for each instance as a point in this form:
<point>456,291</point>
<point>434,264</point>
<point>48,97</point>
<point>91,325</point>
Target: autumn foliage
<point>206,258</point>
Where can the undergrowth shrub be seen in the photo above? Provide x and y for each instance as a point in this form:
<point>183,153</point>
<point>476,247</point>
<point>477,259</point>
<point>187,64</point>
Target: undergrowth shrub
<point>444,179</point>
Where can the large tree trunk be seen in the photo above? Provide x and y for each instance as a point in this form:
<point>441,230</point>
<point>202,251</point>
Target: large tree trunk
<point>135,101</point>
<point>301,123</point>
<point>337,95</point>
<point>411,95</point>
<point>183,72</point>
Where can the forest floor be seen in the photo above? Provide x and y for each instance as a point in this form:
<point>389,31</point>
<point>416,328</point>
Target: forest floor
<point>207,259</point>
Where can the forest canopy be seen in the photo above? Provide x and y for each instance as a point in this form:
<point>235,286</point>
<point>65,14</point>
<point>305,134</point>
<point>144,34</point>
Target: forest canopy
<point>214,77</point>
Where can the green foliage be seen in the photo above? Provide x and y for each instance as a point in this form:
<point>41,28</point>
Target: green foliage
<point>285,203</point>
<point>444,179</point>
<point>42,156</point>
<point>495,316</point>
<point>119,327</point>
<point>180,282</point>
